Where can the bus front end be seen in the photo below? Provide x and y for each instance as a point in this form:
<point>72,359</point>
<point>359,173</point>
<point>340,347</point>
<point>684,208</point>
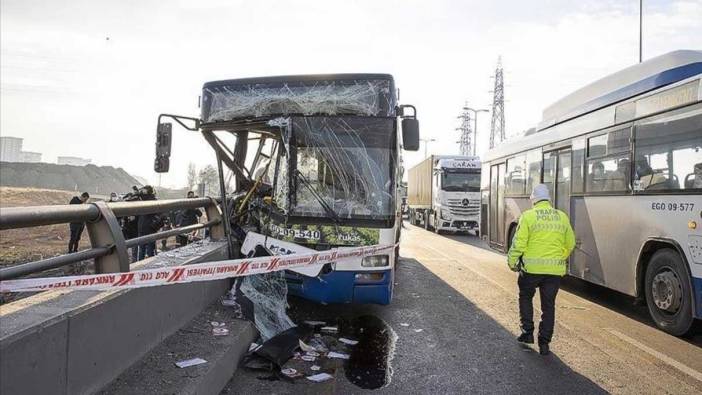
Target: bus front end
<point>323,174</point>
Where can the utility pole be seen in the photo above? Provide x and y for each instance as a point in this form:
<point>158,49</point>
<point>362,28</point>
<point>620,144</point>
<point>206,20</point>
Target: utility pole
<point>497,126</point>
<point>464,141</point>
<point>640,30</point>
<point>426,145</point>
<point>475,129</point>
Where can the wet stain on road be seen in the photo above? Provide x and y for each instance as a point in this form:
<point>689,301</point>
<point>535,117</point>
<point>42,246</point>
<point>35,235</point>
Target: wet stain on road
<point>369,366</point>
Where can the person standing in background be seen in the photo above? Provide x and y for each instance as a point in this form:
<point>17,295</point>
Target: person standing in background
<point>76,228</point>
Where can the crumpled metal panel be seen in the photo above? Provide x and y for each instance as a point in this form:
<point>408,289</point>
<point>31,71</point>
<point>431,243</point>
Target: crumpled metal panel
<point>359,97</point>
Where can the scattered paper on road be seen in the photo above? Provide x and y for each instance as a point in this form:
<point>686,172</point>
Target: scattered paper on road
<point>348,341</point>
<point>418,330</point>
<point>220,331</point>
<point>315,323</point>
<point>306,348</point>
<point>318,378</point>
<point>308,358</point>
<point>190,362</point>
<point>404,324</point>
<point>254,347</point>
<point>315,367</point>
<point>334,354</point>
<point>330,329</point>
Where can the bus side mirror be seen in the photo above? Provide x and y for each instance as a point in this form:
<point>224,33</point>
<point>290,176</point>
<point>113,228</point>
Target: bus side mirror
<point>164,136</point>
<point>410,134</point>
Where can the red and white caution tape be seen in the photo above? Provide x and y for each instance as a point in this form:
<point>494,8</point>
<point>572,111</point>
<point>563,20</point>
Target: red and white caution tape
<point>189,273</point>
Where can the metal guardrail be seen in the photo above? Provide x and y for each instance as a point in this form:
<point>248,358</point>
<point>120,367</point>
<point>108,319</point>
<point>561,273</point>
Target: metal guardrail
<point>108,246</point>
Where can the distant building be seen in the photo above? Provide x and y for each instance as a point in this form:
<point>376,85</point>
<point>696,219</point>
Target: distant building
<point>73,161</point>
<point>30,157</point>
<point>10,149</point>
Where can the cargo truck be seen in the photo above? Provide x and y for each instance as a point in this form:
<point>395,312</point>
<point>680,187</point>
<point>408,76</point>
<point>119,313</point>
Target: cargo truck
<point>444,193</point>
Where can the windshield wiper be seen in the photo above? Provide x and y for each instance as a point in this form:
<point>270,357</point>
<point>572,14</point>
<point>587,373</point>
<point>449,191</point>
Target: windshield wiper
<point>330,211</point>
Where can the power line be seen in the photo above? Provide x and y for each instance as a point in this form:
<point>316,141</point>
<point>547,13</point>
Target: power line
<point>497,126</point>
<point>465,140</point>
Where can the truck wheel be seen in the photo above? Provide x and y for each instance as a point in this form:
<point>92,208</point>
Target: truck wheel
<point>411,217</point>
<point>436,225</point>
<point>668,293</point>
<point>427,225</point>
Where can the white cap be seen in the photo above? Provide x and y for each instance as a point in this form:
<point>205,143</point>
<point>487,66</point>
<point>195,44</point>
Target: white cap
<point>539,193</point>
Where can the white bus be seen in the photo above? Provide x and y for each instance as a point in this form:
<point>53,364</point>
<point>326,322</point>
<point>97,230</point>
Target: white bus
<point>623,158</point>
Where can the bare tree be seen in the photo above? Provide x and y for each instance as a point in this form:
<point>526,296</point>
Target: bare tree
<point>192,176</point>
<point>208,176</point>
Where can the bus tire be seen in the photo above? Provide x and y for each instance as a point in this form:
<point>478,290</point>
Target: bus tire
<point>668,292</point>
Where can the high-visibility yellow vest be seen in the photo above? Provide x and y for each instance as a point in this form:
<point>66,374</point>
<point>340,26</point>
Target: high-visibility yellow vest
<point>544,239</point>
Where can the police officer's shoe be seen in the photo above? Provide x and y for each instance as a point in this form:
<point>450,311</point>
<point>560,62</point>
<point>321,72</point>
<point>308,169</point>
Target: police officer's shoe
<point>544,349</point>
<point>527,338</point>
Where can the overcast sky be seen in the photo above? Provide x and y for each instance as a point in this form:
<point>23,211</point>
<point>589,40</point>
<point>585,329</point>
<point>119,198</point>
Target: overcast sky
<point>88,78</point>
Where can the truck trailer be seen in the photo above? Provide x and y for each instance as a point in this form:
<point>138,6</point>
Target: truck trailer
<point>444,193</point>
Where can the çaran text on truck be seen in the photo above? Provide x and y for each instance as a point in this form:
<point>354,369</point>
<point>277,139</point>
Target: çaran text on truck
<point>444,193</point>
<point>313,163</point>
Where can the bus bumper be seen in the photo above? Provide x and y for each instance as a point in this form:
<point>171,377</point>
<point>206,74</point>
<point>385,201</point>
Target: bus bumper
<point>374,287</point>
<point>697,289</point>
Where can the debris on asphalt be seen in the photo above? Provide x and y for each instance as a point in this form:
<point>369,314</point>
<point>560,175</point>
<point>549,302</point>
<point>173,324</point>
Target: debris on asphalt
<point>254,347</point>
<point>334,354</point>
<point>404,324</point>
<point>276,350</point>
<point>348,341</point>
<point>318,343</point>
<point>320,377</point>
<point>315,368</point>
<point>330,329</point>
<point>308,358</point>
<point>220,331</point>
<point>190,362</point>
<point>418,330</point>
<point>305,347</point>
<point>313,353</point>
<point>268,293</point>
<point>315,323</point>
<point>290,372</point>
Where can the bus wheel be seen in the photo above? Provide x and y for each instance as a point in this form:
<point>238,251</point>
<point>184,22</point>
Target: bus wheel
<point>668,293</point>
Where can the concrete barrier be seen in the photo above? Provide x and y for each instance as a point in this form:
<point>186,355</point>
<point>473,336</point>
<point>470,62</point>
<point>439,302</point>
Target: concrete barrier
<point>75,342</point>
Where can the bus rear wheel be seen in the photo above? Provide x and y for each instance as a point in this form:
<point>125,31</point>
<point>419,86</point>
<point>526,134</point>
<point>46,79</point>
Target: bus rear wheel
<point>668,293</point>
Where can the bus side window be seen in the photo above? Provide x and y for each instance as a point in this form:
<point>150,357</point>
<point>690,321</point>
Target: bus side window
<point>669,154</point>
<point>608,163</point>
<point>578,162</point>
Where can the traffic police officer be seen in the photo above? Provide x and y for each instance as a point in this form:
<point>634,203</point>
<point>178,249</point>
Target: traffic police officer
<point>542,243</point>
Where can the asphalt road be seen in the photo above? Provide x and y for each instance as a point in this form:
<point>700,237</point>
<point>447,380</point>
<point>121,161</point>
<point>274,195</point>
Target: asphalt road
<point>454,318</point>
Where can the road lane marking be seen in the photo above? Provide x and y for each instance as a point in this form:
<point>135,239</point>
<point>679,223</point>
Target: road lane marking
<point>666,359</point>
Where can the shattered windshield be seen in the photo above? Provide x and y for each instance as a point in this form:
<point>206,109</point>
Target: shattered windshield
<point>227,100</point>
<point>460,181</point>
<point>348,162</point>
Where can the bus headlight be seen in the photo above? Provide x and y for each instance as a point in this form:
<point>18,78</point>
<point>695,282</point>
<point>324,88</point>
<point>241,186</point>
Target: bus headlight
<point>375,261</point>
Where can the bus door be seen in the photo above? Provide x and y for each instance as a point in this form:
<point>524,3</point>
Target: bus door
<point>557,175</point>
<point>497,204</point>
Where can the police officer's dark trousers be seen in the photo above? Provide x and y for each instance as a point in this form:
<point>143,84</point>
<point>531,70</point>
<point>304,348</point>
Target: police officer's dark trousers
<point>548,288</point>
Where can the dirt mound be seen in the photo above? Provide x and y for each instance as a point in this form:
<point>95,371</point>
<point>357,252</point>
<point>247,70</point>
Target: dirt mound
<point>15,197</point>
<point>91,178</point>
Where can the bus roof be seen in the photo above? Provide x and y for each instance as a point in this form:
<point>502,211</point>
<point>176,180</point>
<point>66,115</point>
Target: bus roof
<point>300,78</point>
<point>629,82</point>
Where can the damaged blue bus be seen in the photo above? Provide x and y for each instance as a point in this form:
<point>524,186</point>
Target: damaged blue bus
<point>310,163</point>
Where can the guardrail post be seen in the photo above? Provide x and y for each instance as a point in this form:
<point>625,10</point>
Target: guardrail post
<point>106,232</point>
<point>214,213</point>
